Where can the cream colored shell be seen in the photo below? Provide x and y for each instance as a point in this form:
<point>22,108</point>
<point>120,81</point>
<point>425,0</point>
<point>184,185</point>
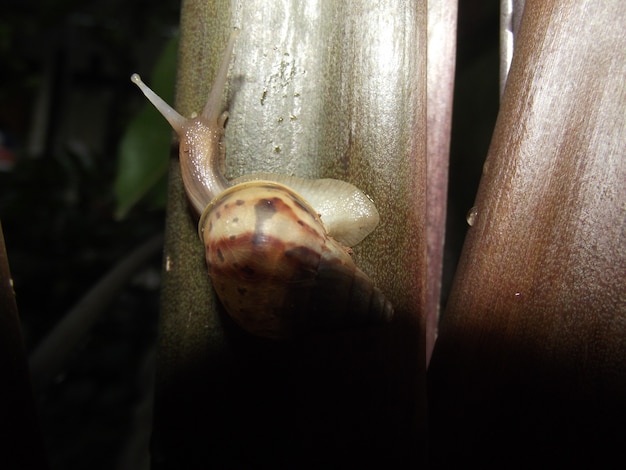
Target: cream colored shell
<point>348,214</point>
<point>276,270</point>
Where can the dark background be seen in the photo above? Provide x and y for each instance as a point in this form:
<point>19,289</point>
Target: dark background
<point>65,101</point>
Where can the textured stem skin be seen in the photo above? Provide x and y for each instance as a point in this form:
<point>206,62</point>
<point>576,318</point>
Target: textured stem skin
<point>529,368</point>
<point>442,20</point>
<point>336,90</point>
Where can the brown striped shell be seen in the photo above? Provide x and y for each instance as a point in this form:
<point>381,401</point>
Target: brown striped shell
<point>276,267</point>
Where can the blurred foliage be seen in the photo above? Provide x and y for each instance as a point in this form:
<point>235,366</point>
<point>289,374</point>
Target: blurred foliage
<point>58,206</point>
<point>65,102</point>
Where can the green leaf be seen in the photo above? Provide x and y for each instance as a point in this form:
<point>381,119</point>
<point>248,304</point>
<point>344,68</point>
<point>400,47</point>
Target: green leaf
<point>143,152</point>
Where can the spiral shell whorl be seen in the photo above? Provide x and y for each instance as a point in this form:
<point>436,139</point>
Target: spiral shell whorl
<point>275,269</point>
<point>344,295</point>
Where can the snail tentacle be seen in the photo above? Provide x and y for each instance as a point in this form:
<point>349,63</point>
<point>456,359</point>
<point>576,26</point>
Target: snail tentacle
<point>176,120</point>
<point>201,148</point>
<point>212,109</point>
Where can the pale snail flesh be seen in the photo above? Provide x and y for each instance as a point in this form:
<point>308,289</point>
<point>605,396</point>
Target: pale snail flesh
<point>276,246</point>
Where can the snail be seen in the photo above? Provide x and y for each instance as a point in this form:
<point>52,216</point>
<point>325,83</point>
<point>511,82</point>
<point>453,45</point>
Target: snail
<point>276,246</point>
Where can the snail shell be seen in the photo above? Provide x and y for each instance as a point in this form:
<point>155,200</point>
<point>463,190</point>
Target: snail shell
<point>276,245</point>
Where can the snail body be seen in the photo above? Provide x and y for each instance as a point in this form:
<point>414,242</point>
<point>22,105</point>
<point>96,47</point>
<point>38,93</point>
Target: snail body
<point>276,246</point>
